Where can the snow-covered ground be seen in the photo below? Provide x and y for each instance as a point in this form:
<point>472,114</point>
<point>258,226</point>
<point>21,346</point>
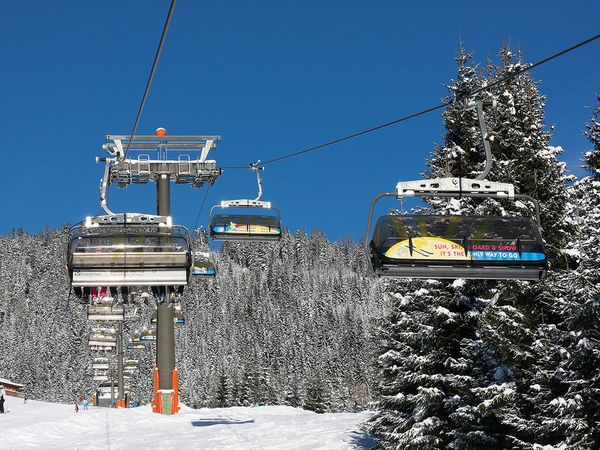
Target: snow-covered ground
<point>57,426</point>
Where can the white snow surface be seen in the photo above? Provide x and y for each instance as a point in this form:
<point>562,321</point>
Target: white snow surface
<point>58,426</point>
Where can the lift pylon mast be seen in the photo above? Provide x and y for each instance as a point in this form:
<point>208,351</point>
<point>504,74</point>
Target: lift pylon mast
<point>162,159</point>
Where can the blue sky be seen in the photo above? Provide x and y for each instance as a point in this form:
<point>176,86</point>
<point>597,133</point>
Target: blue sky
<point>271,77</point>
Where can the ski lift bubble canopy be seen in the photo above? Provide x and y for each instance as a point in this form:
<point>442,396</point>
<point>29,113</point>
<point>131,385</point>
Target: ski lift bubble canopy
<point>245,219</point>
<point>459,246</point>
<point>203,266</point>
<point>129,250</point>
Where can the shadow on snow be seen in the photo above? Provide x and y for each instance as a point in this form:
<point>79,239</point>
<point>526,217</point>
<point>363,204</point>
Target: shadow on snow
<point>218,421</point>
<point>361,439</point>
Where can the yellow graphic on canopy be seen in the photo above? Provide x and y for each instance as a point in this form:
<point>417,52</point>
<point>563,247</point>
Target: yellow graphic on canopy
<point>233,227</point>
<point>428,248</point>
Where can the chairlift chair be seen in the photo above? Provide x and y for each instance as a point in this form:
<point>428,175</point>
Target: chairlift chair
<point>449,247</point>
<point>148,334</point>
<point>246,220</point>
<point>203,266</point>
<point>104,365</point>
<point>99,341</point>
<point>136,344</point>
<point>129,250</point>
<point>102,372</point>
<point>105,312</point>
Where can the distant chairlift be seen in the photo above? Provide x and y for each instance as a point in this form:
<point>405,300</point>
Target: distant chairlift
<point>105,310</point>
<point>148,334</point>
<point>100,364</point>
<point>245,220</point>
<point>136,344</point>
<point>128,250</point>
<point>203,266</point>
<point>101,376</point>
<point>103,339</point>
<point>475,247</point>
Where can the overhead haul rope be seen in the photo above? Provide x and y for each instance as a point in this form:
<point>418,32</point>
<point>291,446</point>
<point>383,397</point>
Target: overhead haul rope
<point>428,110</point>
<point>151,77</point>
<point>202,206</point>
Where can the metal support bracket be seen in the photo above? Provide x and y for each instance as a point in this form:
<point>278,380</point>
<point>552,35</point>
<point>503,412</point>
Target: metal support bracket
<point>128,218</point>
<point>478,106</point>
<point>456,186</point>
<point>244,203</point>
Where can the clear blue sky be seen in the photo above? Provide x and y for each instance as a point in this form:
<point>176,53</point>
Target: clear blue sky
<point>271,77</point>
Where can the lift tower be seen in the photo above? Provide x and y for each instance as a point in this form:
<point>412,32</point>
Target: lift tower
<point>161,159</point>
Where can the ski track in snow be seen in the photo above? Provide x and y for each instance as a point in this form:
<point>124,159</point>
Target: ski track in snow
<point>57,426</point>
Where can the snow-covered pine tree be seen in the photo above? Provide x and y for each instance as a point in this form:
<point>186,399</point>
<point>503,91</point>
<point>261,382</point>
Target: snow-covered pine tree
<point>486,408</point>
<point>431,356</point>
<point>519,325</point>
<point>317,399</point>
<point>571,412</point>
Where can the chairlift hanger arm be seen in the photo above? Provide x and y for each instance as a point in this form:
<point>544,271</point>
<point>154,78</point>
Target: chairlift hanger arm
<point>256,168</point>
<point>478,106</point>
<point>104,183</point>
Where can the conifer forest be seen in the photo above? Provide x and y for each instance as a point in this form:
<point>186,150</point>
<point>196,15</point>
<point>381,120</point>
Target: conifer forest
<point>460,364</point>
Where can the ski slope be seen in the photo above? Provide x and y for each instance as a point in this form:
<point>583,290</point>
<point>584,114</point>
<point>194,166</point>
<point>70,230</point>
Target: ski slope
<point>57,426</point>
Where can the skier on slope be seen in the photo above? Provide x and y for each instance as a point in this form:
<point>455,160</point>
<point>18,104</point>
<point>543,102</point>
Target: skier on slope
<point>2,392</point>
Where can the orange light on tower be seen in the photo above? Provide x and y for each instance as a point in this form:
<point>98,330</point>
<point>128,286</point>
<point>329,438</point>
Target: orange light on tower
<point>161,132</point>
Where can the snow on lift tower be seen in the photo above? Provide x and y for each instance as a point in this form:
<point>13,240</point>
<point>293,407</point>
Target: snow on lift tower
<point>246,220</point>
<point>457,246</point>
<point>134,249</point>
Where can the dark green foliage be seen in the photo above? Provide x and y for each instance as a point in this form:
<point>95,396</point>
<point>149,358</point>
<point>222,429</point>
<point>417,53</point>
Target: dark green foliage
<point>317,398</point>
